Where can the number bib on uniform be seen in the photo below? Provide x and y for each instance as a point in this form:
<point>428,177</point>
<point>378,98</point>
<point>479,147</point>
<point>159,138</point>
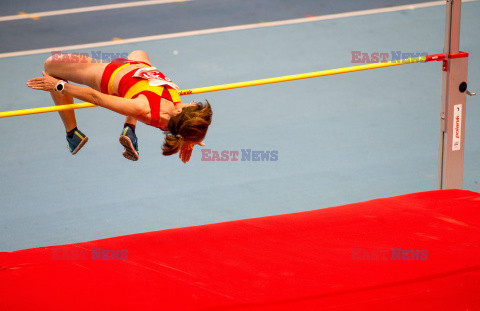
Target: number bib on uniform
<point>154,77</point>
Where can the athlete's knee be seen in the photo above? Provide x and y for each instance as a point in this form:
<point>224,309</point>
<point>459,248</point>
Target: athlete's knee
<point>47,65</point>
<point>138,54</point>
<point>50,67</point>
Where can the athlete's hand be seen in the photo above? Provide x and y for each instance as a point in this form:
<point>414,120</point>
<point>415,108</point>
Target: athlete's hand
<point>186,151</point>
<point>45,83</point>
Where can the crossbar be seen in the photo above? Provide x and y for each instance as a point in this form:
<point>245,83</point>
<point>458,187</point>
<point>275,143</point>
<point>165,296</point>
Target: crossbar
<point>230,86</point>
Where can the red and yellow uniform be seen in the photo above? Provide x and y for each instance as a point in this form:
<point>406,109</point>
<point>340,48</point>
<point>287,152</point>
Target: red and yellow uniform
<point>131,86</point>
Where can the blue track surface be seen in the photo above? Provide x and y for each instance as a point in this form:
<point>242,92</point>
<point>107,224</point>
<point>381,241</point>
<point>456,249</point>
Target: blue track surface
<point>156,19</point>
<point>340,139</point>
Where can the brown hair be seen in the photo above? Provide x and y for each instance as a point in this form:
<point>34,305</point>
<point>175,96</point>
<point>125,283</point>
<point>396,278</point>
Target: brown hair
<point>190,125</point>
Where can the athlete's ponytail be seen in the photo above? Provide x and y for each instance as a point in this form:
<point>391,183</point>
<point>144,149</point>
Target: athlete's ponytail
<point>189,126</point>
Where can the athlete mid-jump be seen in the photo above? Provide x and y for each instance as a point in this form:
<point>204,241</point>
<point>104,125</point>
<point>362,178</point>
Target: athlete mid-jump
<point>132,88</point>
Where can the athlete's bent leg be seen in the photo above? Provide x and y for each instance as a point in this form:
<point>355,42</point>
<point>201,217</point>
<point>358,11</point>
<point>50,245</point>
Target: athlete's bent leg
<point>128,139</point>
<point>84,71</point>
<point>68,116</point>
<point>139,56</point>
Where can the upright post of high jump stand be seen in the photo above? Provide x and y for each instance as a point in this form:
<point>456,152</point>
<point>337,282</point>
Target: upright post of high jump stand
<point>453,103</point>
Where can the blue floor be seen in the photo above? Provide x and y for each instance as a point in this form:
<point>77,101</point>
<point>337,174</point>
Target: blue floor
<point>340,139</point>
<point>155,19</point>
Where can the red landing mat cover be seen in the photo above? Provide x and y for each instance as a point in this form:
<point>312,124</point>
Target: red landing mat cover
<point>414,252</point>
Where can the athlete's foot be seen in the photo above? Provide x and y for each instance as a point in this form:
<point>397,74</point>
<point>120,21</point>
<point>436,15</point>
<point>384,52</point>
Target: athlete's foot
<point>128,139</point>
<point>76,140</point>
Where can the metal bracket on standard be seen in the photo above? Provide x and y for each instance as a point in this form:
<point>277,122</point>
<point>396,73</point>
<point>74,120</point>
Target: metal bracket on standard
<point>460,54</point>
<point>441,57</point>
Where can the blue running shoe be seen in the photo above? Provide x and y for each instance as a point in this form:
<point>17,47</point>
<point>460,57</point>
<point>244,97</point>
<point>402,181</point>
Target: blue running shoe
<point>77,141</point>
<point>128,139</point>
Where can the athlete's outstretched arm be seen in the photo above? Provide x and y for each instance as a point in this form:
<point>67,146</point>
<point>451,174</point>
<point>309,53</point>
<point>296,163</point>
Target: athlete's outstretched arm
<point>127,107</point>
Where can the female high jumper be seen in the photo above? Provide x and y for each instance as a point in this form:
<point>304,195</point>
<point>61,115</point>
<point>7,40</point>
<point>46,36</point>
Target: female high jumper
<point>132,88</point>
